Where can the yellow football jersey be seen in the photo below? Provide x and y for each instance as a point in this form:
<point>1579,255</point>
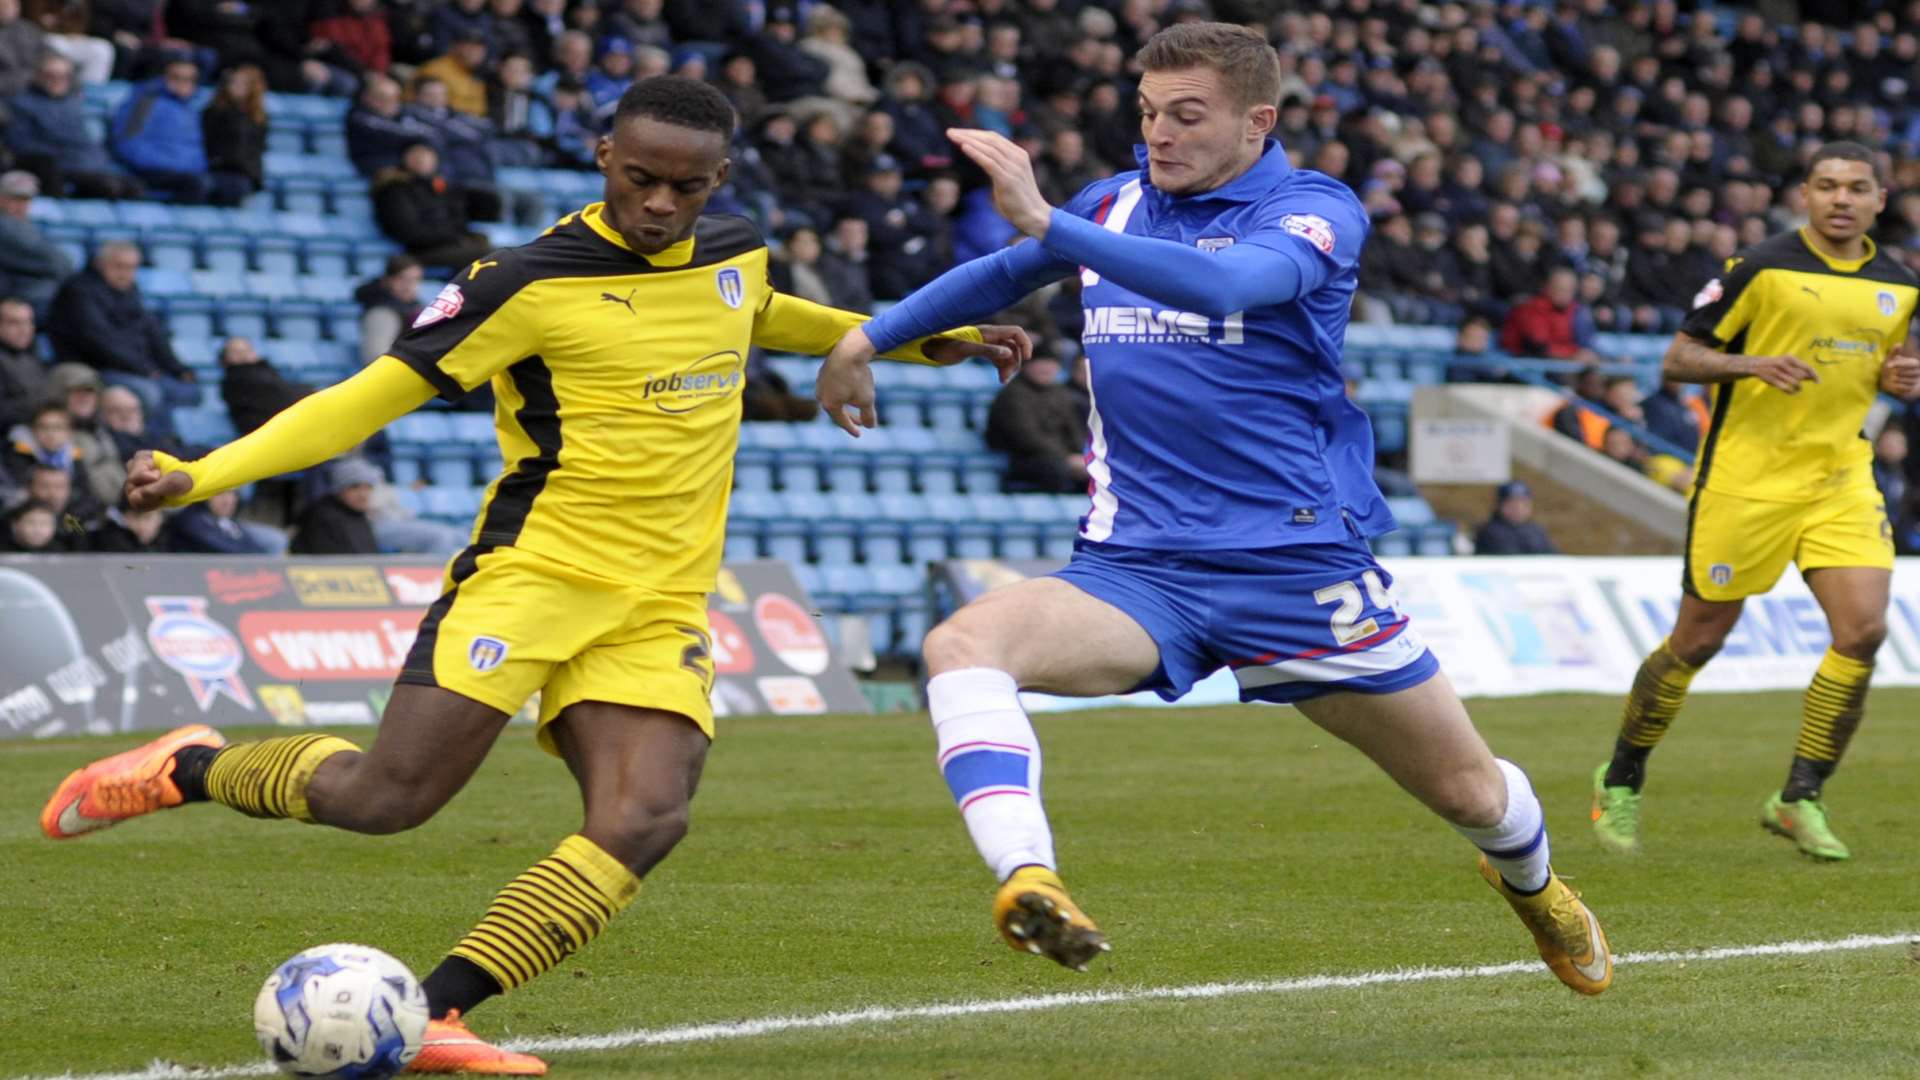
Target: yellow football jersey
<point>617,378</point>
<point>1782,297</point>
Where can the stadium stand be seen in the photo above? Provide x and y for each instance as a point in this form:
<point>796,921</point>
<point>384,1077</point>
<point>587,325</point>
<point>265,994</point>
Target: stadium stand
<point>1509,116</point>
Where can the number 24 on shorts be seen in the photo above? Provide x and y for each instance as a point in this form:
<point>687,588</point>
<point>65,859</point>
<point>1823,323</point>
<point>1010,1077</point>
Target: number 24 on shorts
<point>1346,623</point>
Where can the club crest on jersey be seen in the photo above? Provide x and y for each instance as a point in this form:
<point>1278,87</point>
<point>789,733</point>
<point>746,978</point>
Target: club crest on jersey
<point>486,653</point>
<point>444,306</point>
<point>1885,300</point>
<point>1312,228</point>
<point>732,289</point>
<point>1721,573</point>
<point>1212,244</point>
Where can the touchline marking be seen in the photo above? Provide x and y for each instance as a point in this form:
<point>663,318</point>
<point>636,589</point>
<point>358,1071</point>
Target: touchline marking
<point>881,1014</point>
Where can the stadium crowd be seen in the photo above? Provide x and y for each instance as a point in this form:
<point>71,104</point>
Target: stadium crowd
<point>1538,173</point>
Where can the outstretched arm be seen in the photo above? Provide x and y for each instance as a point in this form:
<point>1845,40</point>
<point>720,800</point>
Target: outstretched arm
<point>967,293</point>
<point>320,426</point>
<point>789,324</point>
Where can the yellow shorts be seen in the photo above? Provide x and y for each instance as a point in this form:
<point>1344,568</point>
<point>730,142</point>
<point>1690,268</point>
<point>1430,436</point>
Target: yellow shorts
<point>511,623</point>
<point>1739,547</point>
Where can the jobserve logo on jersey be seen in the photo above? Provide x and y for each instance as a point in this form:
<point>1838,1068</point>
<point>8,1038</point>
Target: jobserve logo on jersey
<point>1154,326</point>
<point>710,378</point>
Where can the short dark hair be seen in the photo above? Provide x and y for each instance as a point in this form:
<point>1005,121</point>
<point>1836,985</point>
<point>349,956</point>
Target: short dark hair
<point>1246,63</point>
<point>400,264</point>
<point>49,407</point>
<point>1845,151</point>
<point>677,100</point>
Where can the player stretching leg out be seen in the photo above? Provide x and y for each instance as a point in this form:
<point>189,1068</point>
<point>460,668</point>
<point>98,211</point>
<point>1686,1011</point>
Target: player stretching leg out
<point>1796,336</point>
<point>615,346</point>
<point>1232,493</point>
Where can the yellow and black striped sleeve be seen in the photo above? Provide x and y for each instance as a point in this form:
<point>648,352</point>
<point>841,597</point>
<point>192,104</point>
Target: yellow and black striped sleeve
<point>480,325</point>
<point>1727,304</point>
<point>791,325</point>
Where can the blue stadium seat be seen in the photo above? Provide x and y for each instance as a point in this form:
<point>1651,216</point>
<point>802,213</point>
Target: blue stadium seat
<point>806,506</point>
<point>893,473</point>
<point>218,284</point>
<point>188,316</point>
<point>145,215</point>
<point>1389,431</point>
<point>907,508</point>
<point>162,282</point>
<point>754,505</point>
<point>983,472</point>
<point>171,249</point>
<point>1393,544</point>
<point>277,255</point>
<point>473,429</point>
<point>343,322</point>
<point>939,474</point>
<point>285,140</point>
<point>1435,540</point>
<point>1411,511</point>
<point>767,435</point>
<point>204,425</point>
<point>947,409</point>
<point>800,470</point>
<point>846,472</point>
<point>405,471</point>
<point>420,428</point>
<point>272,286</point>
<point>296,356</point>
<point>301,194</point>
<point>328,143</point>
<point>1058,545</point>
<point>451,503</point>
<point>193,349</point>
<point>834,542</point>
<point>87,211</point>
<point>243,317</point>
<point>786,539</point>
<point>302,319</point>
<point>1018,540</point>
<point>753,470</point>
<point>450,472</point>
<point>226,252</point>
<point>883,542</point>
<point>926,542</point>
<point>743,541</point>
<point>327,257</point>
<point>369,261</point>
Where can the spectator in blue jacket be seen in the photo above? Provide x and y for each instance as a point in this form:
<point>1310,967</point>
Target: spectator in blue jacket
<point>462,143</point>
<point>156,135</point>
<point>380,128</point>
<point>100,320</point>
<point>31,266</point>
<point>49,138</point>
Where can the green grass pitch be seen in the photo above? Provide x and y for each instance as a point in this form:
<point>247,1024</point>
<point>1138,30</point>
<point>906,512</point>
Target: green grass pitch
<point>827,870</point>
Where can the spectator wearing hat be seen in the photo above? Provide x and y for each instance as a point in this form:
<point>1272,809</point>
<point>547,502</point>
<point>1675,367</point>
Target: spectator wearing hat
<point>612,74</point>
<point>337,523</point>
<point>788,72</point>
<point>380,128</point>
<point>460,69</point>
<point>252,388</point>
<point>31,266</point>
<point>48,134</point>
<point>1039,424</point>
<point>901,234</point>
<point>1511,529</point>
<point>418,209</point>
<point>23,375</point>
<point>78,389</point>
<point>100,319</point>
<point>213,527</point>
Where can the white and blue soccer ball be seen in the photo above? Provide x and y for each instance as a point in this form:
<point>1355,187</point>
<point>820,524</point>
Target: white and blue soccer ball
<point>350,1012</point>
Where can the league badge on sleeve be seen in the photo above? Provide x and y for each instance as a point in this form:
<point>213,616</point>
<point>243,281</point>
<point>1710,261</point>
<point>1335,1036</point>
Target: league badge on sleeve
<point>444,306</point>
<point>1712,292</point>
<point>732,289</point>
<point>1212,244</point>
<point>1312,228</point>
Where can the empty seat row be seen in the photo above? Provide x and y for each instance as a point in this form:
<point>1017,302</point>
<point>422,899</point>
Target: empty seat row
<point>892,543</point>
<point>887,472</point>
<point>191,317</point>
<point>821,435</point>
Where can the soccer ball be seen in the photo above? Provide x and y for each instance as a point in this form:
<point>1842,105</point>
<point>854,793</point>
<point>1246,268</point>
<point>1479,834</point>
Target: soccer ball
<point>345,1011</point>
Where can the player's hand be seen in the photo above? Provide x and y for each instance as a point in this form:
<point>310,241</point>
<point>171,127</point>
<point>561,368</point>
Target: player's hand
<point>846,379</point>
<point>1783,373</point>
<point>1016,194</point>
<point>1007,346</point>
<point>148,488</point>
<point>1900,376</point>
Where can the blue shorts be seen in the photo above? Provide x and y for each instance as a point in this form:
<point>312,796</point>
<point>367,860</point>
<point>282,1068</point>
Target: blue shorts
<point>1292,622</point>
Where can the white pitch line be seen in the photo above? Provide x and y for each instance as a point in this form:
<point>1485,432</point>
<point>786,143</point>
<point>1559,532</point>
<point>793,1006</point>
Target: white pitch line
<point>773,1025</point>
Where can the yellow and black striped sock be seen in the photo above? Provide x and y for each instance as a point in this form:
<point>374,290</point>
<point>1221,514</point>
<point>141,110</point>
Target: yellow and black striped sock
<point>548,913</point>
<point>1830,714</point>
<point>269,779</point>
<point>1659,689</point>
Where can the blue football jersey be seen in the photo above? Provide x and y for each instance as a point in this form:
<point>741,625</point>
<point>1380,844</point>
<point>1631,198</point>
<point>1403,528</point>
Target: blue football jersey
<point>1229,430</point>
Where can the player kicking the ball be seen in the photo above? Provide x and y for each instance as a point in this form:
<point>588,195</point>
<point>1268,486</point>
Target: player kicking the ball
<point>615,346</point>
<point>1232,493</point>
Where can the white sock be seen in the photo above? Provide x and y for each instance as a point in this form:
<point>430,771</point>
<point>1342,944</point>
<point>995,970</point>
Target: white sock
<point>1517,846</point>
<point>991,760</point>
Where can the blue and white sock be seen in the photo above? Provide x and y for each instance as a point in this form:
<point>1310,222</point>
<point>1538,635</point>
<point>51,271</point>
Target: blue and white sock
<point>1517,846</point>
<point>991,761</point>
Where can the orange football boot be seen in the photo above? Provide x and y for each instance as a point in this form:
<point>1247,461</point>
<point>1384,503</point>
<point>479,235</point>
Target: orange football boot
<point>126,785</point>
<point>450,1048</point>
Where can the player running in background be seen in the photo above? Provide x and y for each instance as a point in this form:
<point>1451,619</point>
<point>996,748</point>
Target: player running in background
<point>1797,336</point>
<point>615,344</point>
<point>1232,493</point>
